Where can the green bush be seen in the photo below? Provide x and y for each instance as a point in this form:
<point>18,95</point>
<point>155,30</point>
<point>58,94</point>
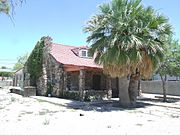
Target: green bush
<point>71,95</point>
<point>94,96</point>
<point>88,97</point>
<point>5,74</point>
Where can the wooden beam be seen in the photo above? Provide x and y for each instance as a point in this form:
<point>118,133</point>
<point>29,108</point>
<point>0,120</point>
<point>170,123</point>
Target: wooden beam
<point>71,68</point>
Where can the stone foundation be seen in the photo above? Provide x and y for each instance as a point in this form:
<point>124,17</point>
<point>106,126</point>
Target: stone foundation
<point>93,95</point>
<point>29,91</point>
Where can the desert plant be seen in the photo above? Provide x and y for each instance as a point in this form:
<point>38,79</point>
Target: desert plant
<point>46,121</point>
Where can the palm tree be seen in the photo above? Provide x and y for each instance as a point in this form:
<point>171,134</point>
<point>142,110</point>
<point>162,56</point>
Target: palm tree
<point>124,37</point>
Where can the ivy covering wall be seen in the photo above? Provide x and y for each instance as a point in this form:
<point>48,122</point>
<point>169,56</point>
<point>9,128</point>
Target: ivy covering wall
<point>35,61</point>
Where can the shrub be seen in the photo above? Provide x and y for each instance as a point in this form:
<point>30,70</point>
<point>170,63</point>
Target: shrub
<point>71,95</point>
<point>46,122</point>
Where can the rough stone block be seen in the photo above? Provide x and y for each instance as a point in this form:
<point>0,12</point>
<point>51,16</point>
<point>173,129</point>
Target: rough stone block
<point>29,91</point>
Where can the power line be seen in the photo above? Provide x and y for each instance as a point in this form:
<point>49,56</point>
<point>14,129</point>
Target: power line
<point>7,63</point>
<point>8,60</point>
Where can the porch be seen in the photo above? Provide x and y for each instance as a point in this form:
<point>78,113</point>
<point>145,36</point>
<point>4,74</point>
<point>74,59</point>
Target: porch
<point>90,83</point>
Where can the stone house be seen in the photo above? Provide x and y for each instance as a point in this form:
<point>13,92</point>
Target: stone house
<point>18,78</point>
<point>70,68</point>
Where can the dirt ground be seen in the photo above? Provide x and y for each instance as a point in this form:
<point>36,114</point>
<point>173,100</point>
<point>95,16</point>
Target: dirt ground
<point>29,116</point>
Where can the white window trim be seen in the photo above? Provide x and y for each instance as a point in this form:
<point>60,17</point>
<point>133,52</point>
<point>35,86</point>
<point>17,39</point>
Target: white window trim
<point>83,50</point>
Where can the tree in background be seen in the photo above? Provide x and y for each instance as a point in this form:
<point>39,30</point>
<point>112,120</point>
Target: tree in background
<point>4,6</point>
<point>7,6</point>
<point>4,67</point>
<point>125,39</point>
<point>5,74</point>
<point>170,65</point>
<point>21,61</point>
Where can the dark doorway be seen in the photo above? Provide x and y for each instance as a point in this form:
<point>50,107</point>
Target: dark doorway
<point>115,93</point>
<point>96,82</point>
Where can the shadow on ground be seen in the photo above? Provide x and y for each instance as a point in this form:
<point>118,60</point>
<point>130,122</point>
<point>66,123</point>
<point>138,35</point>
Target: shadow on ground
<point>111,105</point>
<point>114,105</point>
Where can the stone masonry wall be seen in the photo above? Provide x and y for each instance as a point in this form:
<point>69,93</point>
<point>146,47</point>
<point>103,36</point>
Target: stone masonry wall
<point>51,82</point>
<point>56,78</point>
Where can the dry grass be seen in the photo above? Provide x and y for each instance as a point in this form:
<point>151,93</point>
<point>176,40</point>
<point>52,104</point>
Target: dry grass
<point>144,65</point>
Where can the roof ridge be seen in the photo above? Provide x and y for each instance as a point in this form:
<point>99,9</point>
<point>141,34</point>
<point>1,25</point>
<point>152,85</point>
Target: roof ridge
<point>70,45</point>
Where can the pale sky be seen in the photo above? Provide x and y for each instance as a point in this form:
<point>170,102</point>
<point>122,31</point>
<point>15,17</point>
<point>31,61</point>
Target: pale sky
<point>63,20</point>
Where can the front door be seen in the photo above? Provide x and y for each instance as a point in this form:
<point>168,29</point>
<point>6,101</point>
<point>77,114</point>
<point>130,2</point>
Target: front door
<point>96,82</point>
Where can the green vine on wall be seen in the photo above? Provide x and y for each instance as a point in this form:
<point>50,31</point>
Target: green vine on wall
<point>35,60</point>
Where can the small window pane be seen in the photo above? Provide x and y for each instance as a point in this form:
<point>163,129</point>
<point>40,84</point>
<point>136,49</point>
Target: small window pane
<point>84,53</point>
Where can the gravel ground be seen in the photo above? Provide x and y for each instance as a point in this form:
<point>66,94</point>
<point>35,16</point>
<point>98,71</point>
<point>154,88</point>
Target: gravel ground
<point>29,116</point>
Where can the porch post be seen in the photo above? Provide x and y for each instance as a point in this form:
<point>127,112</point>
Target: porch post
<point>108,87</point>
<point>65,81</point>
<point>81,83</point>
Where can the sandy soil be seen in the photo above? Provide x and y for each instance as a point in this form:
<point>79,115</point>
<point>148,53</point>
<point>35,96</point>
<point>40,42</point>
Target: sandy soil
<point>28,116</point>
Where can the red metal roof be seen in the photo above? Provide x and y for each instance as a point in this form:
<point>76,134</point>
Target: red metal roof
<point>65,55</point>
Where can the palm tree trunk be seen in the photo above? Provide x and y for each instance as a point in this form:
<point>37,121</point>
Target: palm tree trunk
<point>164,83</point>
<point>139,88</point>
<point>123,92</point>
<point>133,88</point>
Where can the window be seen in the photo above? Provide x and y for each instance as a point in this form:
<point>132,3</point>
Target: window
<point>20,77</point>
<point>84,53</point>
